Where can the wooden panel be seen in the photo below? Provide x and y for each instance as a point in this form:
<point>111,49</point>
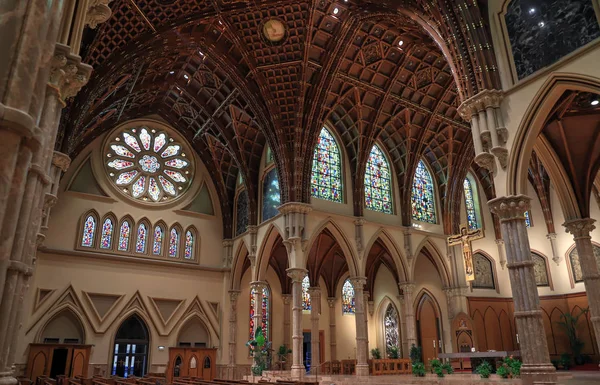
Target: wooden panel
<point>80,363</point>
<point>479,328</point>
<point>193,362</point>
<point>428,330</point>
<point>492,326</point>
<point>506,332</point>
<point>38,363</point>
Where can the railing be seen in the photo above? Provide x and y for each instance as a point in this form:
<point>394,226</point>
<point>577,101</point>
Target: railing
<point>391,366</point>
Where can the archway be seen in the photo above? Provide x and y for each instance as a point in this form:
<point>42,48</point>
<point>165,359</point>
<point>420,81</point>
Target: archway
<point>65,327</point>
<point>193,334</point>
<point>131,346</point>
<point>429,331</point>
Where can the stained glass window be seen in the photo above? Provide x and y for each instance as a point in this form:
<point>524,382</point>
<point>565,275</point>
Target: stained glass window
<point>305,295</point>
<point>189,245</point>
<point>378,182</point>
<point>124,235</point>
<point>148,165</point>
<point>158,240</point>
<point>472,219</point>
<point>107,231</point>
<point>348,305</point>
<point>142,234</point>
<point>173,241</point>
<point>270,158</point>
<point>89,229</point>
<point>326,180</point>
<point>423,202</point>
<point>527,219</point>
<point>241,212</point>
<point>390,325</point>
<point>271,196</point>
<point>265,312</point>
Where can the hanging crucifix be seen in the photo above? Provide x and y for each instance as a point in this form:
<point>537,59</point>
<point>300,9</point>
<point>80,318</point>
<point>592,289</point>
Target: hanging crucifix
<point>464,239</point>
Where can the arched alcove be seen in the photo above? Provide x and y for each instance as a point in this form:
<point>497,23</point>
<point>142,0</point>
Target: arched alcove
<point>65,327</point>
<point>130,357</point>
<point>193,334</point>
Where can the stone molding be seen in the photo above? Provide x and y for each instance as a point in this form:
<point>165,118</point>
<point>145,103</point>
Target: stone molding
<point>297,274</point>
<point>580,228</point>
<point>233,295</point>
<point>258,285</point>
<point>501,252</point>
<point>358,283</point>
<point>67,73</point>
<point>295,207</point>
<point>98,12</point>
<point>407,287</point>
<point>287,299</point>
<point>61,160</point>
<point>480,102</point>
<point>552,238</point>
<point>331,302</point>
<point>511,207</point>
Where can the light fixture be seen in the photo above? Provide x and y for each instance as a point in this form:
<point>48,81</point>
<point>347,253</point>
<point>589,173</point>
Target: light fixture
<point>161,348</point>
<point>531,11</point>
<point>171,72</point>
<point>201,53</point>
<point>595,102</point>
<point>401,43</point>
<point>336,11</point>
<point>186,76</point>
<point>541,24</point>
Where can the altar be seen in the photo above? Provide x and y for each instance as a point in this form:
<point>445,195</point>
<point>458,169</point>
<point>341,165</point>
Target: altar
<point>472,360</point>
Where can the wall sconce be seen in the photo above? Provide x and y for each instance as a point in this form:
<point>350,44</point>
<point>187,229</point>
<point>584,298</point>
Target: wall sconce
<point>161,348</point>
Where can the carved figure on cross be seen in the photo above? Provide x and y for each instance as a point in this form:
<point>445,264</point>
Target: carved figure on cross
<point>464,239</point>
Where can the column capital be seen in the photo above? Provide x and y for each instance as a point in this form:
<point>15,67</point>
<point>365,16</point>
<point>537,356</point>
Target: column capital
<point>227,243</point>
<point>359,221</point>
<point>580,228</point>
<point>233,295</point>
<point>358,282</point>
<point>295,207</point>
<point>551,236</point>
<point>481,101</point>
<point>407,287</point>
<point>61,160</point>
<point>287,299</point>
<point>98,12</point>
<point>297,274</point>
<point>258,285</point>
<point>510,207</point>
<point>314,291</point>
<point>331,302</point>
<point>67,73</point>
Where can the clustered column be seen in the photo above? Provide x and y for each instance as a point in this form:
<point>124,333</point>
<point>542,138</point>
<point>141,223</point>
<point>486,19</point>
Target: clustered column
<point>409,314</point>
<point>332,339</point>
<point>60,163</point>
<point>315,343</point>
<point>287,320</point>
<point>367,313</point>
<point>402,319</point>
<point>362,367</point>
<point>233,297</point>
<point>581,229</point>
<point>536,368</point>
<point>297,275</point>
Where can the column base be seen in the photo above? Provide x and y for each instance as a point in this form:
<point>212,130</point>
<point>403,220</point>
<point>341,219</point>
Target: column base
<point>541,374</point>
<point>7,378</point>
<point>298,372</point>
<point>362,370</point>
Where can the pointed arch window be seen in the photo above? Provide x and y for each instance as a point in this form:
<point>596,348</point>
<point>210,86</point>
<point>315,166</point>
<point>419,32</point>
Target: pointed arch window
<point>264,311</point>
<point>271,195</point>
<point>189,245</point>
<point>173,243</point>
<point>124,235</point>
<point>527,219</point>
<point>326,179</point>
<point>241,212</point>
<point>540,270</point>
<point>305,295</point>
<point>107,232</point>
<point>157,245</point>
<point>142,235</point>
<point>471,205</point>
<point>89,229</point>
<point>391,329</point>
<point>348,299</point>
<point>423,201</point>
<point>484,272</point>
<point>378,182</point>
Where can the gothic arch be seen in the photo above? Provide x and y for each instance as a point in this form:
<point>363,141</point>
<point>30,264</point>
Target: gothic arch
<point>263,254</point>
<point>342,240</point>
<point>134,236</point>
<point>529,129</point>
<point>380,323</point>
<point>437,259</point>
<point>80,230</point>
<point>237,268</point>
<point>402,267</point>
<point>189,320</point>
<point>66,309</point>
<point>492,262</point>
<point>116,324</point>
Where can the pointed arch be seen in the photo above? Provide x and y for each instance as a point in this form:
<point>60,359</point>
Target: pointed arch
<point>342,240</point>
<point>383,326</point>
<point>265,250</point>
<point>59,321</point>
<point>193,330</point>
<point>270,193</point>
<point>430,250</point>
<point>142,235</point>
<point>306,306</point>
<point>265,311</point>
<point>190,244</point>
<point>238,265</point>
<point>242,211</point>
<point>107,229</point>
<point>327,168</point>
<point>88,230</point>
<point>472,202</point>
<point>378,182</point>
<point>483,258</point>
<point>174,237</point>
<point>395,252</point>
<point>423,195</point>
<point>197,316</point>
<point>125,235</point>
<point>348,298</point>
<point>159,236</point>
<point>541,269</point>
<point>426,297</point>
<point>131,343</point>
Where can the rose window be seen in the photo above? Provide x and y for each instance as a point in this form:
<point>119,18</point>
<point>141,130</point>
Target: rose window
<point>148,165</point>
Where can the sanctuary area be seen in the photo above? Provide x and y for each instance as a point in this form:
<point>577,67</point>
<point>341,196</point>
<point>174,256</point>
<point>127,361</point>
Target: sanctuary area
<point>216,192</point>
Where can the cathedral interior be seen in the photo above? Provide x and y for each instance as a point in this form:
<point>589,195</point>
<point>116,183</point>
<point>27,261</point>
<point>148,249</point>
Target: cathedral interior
<point>349,178</point>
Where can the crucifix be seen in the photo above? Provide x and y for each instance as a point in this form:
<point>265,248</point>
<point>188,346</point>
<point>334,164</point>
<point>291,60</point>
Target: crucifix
<point>464,239</point>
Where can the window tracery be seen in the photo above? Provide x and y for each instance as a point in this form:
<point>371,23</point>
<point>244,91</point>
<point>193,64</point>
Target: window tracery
<point>326,178</point>
<point>378,182</point>
<point>423,199</point>
<point>348,299</point>
<point>173,243</point>
<point>107,233</point>
<point>189,245</point>
<point>124,234</point>
<point>470,204</point>
<point>484,272</point>
<point>89,231</point>
<point>158,240</point>
<point>305,295</point>
<point>391,329</point>
<point>271,195</point>
<point>140,243</point>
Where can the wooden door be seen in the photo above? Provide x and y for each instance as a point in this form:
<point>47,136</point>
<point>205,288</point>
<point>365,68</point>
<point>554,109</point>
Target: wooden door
<point>80,361</point>
<point>193,367</point>
<point>207,368</point>
<point>38,363</point>
<point>428,329</point>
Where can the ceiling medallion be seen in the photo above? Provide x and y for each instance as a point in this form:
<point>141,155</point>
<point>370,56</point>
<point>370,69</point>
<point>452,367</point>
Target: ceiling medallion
<point>274,30</point>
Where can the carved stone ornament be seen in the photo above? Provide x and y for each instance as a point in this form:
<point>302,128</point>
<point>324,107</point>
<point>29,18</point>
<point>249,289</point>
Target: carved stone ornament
<point>502,154</point>
<point>331,302</point>
<point>233,295</point>
<point>486,160</point>
<point>511,207</point>
<point>98,12</point>
<point>296,274</point>
<point>61,161</point>
<point>358,282</point>
<point>67,73</point>
<point>287,299</point>
<point>580,228</point>
<point>479,102</point>
<point>407,288</point>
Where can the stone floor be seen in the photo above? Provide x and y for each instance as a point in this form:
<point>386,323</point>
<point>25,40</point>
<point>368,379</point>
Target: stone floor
<point>580,378</point>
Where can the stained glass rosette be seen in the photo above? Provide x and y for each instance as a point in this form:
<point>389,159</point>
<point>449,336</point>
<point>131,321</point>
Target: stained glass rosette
<point>148,165</point>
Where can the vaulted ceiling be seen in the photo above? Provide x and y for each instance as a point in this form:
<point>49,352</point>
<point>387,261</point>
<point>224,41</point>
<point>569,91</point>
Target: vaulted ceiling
<point>372,71</point>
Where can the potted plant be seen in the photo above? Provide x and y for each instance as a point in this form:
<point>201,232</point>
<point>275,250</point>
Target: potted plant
<point>418,369</point>
<point>259,349</point>
<point>565,361</point>
<point>569,324</point>
<point>438,368</point>
<point>376,354</point>
<point>484,369</point>
<point>282,356</point>
<point>415,354</point>
<point>394,352</point>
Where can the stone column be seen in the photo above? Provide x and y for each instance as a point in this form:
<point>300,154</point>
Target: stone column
<point>257,287</point>
<point>315,342</point>
<point>362,367</point>
<point>581,229</point>
<point>59,165</point>
<point>332,338</point>
<point>297,275</point>
<point>409,313</point>
<point>402,319</point>
<point>368,311</point>
<point>231,365</point>
<point>536,368</point>
<point>287,320</point>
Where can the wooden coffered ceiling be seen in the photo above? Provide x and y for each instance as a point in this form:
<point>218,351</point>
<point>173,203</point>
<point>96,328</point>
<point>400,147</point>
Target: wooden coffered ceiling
<point>370,71</point>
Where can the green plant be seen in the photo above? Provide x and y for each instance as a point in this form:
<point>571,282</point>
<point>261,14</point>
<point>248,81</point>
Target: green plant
<point>415,354</point>
<point>569,324</point>
<point>376,354</point>
<point>283,352</point>
<point>418,369</point>
<point>259,349</point>
<point>503,371</point>
<point>438,368</point>
<point>514,366</point>
<point>394,352</point>
<point>565,361</point>
<point>484,369</point>
<point>448,368</point>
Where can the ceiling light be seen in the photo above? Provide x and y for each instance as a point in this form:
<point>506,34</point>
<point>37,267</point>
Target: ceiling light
<point>541,24</point>
<point>171,72</point>
<point>401,43</point>
<point>201,53</point>
<point>531,11</point>
<point>186,77</point>
<point>595,102</point>
<point>336,11</point>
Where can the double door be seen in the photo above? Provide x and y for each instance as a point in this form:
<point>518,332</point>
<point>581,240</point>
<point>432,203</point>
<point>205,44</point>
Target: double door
<point>53,360</point>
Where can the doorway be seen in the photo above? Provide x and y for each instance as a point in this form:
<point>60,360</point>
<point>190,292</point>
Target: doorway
<point>131,348</point>
<point>59,362</point>
<point>428,328</point>
<point>306,350</point>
